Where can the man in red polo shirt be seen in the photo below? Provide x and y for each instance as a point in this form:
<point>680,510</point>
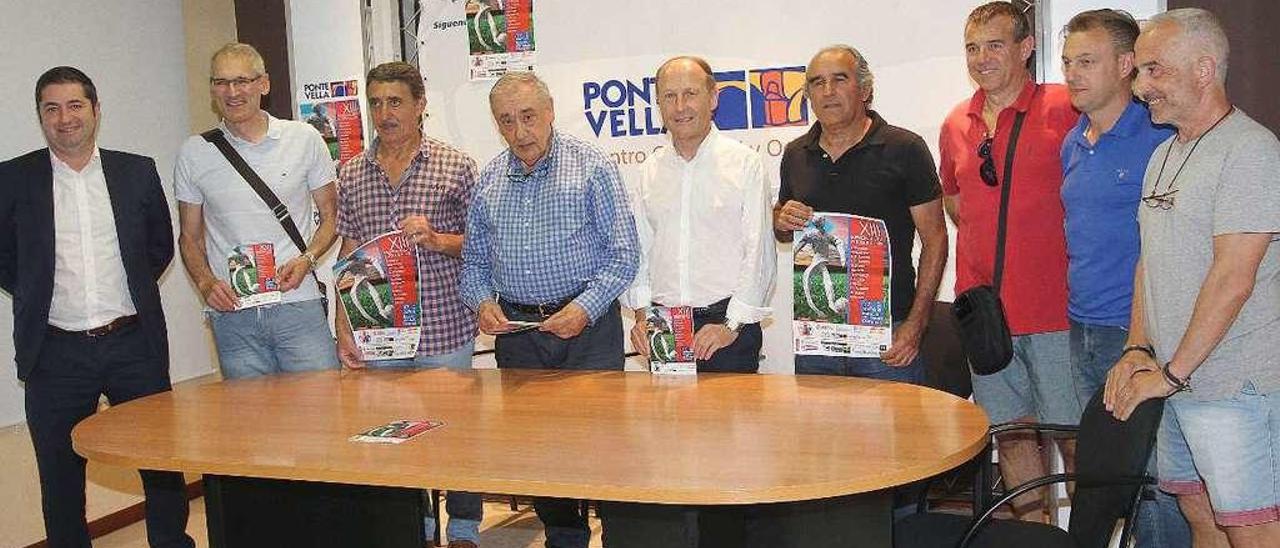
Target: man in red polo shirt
<point>1037,385</point>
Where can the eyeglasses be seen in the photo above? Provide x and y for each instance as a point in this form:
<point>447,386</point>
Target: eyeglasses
<point>225,83</point>
<point>1163,201</point>
<point>988,169</point>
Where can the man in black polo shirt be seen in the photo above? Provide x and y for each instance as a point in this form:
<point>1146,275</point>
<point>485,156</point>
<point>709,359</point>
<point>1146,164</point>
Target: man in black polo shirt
<point>852,162</point>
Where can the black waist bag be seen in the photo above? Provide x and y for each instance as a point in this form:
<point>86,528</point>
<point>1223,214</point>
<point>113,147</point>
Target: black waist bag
<point>984,332</point>
<point>980,319</point>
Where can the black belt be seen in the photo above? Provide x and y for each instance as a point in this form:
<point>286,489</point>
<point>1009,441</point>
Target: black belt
<point>100,331</point>
<point>545,309</point>
<point>712,313</point>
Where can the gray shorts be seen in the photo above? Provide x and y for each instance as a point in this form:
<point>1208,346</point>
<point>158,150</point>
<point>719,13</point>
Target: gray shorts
<point>1037,383</point>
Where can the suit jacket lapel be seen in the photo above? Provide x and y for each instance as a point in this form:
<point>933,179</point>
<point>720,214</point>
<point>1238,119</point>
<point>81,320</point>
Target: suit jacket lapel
<point>40,193</point>
<point>118,189</point>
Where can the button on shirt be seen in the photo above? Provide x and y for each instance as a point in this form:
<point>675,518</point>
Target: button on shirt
<point>1101,188</point>
<point>705,230</point>
<point>562,229</point>
<point>90,287</point>
<point>436,185</point>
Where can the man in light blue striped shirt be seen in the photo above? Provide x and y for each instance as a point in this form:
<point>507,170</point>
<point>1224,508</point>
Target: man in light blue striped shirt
<point>550,240</point>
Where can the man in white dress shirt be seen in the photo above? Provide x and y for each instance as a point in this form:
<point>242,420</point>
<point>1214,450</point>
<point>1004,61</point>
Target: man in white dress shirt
<point>702,208</point>
<point>85,234</point>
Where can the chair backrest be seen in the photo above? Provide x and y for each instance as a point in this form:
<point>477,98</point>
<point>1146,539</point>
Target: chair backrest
<point>1108,448</point>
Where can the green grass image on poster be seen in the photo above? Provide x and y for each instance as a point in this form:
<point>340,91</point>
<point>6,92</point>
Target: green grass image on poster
<point>801,309</point>
<point>369,306</point>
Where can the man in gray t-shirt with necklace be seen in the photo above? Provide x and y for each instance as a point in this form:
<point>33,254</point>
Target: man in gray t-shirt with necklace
<point>1206,307</point>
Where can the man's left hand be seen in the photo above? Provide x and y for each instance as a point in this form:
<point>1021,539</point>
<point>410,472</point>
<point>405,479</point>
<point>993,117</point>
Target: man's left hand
<point>419,231</point>
<point>568,322</point>
<point>1145,384</point>
<point>906,345</point>
<point>292,273</point>
<point>711,338</point>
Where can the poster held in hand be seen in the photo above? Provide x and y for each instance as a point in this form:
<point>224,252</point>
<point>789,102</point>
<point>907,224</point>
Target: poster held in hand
<point>840,283</point>
<point>377,286</point>
<point>252,271</point>
<point>670,332</point>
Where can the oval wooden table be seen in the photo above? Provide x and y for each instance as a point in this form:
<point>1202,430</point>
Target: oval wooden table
<point>602,435</point>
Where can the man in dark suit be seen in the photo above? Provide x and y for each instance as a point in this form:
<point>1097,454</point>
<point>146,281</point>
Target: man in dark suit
<point>84,235</point>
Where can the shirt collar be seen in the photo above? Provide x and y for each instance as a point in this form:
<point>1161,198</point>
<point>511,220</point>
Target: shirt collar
<point>1128,125</point>
<point>1021,104</point>
<point>275,128</point>
<point>58,164</point>
<point>874,136</point>
<point>423,148</point>
<point>1131,120</point>
<point>708,143</point>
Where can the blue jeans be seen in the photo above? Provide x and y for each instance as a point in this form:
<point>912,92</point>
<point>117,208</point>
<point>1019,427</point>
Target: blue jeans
<point>1228,447</point>
<point>458,358</point>
<point>275,338</point>
<point>870,368</point>
<point>1094,350</point>
<point>465,509</point>
<point>1037,382</point>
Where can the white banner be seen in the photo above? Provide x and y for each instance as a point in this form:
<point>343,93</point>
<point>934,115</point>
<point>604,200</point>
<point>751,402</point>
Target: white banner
<point>599,59</point>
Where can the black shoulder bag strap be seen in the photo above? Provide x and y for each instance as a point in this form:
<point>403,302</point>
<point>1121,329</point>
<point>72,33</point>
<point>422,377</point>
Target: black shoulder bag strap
<point>281,213</point>
<point>1002,226</point>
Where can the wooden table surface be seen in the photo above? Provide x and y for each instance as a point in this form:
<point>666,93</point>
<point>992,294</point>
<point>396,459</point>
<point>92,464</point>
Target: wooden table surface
<point>709,439</point>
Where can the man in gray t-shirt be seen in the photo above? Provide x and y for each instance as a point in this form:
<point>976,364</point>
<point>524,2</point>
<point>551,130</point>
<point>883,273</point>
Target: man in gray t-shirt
<point>264,307</point>
<point>1206,310</point>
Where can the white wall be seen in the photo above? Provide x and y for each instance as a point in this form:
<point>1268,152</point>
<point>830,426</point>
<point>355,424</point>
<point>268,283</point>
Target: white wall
<point>134,51</point>
<point>1061,11</point>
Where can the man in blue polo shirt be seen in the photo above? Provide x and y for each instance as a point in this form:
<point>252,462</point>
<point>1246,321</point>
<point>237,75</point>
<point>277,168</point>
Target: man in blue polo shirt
<point>1103,161</point>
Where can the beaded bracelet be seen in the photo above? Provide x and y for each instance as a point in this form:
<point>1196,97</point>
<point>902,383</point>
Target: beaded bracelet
<point>1179,385</point>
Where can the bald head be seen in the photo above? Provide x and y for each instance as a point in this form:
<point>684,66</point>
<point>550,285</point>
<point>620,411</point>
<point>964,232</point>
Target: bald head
<point>687,63</point>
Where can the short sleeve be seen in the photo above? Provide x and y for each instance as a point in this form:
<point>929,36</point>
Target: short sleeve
<point>185,188</point>
<point>322,170</point>
<point>1248,198</point>
<point>347,225</point>
<point>947,163</point>
<point>921,175</point>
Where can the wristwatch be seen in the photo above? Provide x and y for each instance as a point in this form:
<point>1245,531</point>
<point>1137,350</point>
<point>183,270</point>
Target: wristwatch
<point>733,325</point>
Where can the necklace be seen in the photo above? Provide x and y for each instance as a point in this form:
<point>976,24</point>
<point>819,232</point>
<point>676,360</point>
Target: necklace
<point>1169,189</point>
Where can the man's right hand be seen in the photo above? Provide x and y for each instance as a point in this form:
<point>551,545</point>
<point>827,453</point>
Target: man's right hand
<point>348,353</point>
<point>1122,373</point>
<point>791,217</point>
<point>492,320</point>
<point>640,334</point>
<point>219,296</point>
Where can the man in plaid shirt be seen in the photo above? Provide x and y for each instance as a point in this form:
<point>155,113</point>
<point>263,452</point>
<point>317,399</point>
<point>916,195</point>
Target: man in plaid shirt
<point>550,240</point>
<point>410,182</point>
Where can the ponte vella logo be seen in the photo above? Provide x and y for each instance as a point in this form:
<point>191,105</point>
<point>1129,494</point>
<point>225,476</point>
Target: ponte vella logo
<point>761,98</point>
<point>748,99</point>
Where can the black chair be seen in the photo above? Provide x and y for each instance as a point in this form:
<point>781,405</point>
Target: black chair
<point>1111,458</point>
